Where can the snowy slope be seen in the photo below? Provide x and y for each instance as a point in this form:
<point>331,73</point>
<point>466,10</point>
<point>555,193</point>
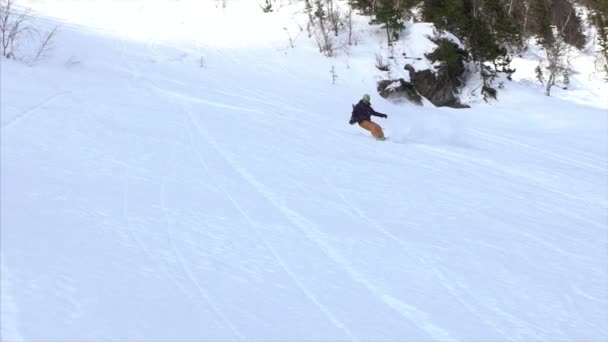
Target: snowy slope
<point>146,198</point>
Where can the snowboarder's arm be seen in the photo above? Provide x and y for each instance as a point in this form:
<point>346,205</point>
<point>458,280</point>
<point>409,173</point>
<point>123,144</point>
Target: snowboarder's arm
<point>379,114</point>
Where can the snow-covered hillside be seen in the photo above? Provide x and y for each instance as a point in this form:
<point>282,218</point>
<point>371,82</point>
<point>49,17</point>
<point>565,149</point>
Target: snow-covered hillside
<point>144,197</point>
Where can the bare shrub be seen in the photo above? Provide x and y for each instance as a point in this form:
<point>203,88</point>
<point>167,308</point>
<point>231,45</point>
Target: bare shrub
<point>348,20</point>
<point>557,62</point>
<point>16,29</point>
<point>319,26</point>
<point>45,45</point>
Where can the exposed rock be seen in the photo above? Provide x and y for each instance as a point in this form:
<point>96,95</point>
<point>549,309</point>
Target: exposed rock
<point>399,90</point>
<point>438,87</point>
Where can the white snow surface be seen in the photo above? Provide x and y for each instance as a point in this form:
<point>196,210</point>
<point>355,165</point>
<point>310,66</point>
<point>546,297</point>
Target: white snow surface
<point>144,197</point>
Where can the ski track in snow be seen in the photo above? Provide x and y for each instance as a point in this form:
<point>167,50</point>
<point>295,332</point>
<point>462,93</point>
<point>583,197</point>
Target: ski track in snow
<point>583,162</point>
<point>135,74</point>
<point>238,335</point>
<point>525,178</point>
<point>312,232</point>
<point>311,296</point>
<point>433,267</point>
<point>32,110</point>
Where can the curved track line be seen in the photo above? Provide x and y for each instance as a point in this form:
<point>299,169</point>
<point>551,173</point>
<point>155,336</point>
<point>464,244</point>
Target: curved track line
<point>313,233</point>
<point>137,240</point>
<point>276,255</point>
<point>186,269</point>
<point>135,73</point>
<point>424,261</point>
<point>32,109</point>
<point>523,177</point>
<point>551,155</point>
<point>309,294</point>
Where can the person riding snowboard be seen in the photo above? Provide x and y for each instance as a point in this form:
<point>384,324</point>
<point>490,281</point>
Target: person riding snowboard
<point>362,113</point>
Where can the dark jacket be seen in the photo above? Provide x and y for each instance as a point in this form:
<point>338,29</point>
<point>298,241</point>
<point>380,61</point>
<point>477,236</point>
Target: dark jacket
<point>363,111</point>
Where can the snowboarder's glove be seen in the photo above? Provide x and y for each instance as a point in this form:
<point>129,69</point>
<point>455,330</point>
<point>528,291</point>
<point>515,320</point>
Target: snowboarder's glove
<point>352,122</point>
<point>384,116</point>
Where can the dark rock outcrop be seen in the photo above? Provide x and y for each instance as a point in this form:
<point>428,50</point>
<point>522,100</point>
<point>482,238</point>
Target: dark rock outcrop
<point>438,87</point>
<point>399,90</point>
<point>441,85</point>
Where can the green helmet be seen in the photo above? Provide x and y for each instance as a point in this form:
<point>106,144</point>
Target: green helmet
<point>366,98</point>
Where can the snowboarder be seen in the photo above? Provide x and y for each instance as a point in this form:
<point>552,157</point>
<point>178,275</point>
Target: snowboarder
<point>362,113</point>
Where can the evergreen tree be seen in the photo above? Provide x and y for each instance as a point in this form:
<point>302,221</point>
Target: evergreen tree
<point>449,15</point>
<point>485,28</point>
<point>493,30</point>
<point>495,14</point>
<point>600,19</point>
<point>365,6</point>
<point>389,14</point>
